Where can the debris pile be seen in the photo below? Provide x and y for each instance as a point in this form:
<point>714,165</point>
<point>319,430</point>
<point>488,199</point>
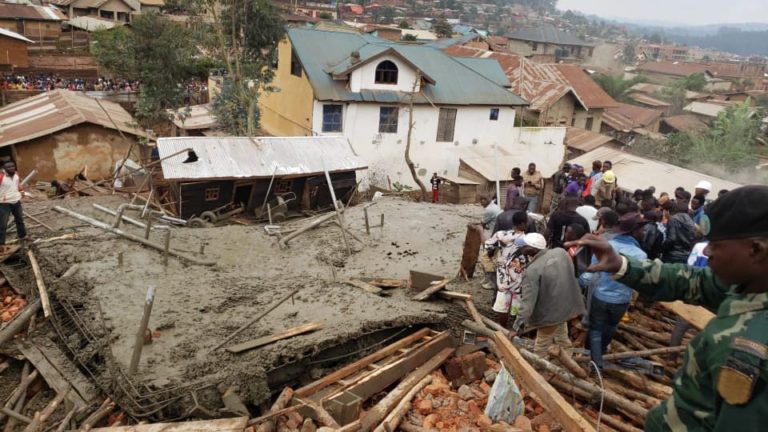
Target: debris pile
<point>12,303</point>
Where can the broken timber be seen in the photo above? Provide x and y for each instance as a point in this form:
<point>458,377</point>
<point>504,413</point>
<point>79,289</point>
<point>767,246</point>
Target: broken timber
<point>236,424</point>
<point>697,316</point>
<point>266,340</point>
<point>365,286</point>
<point>435,287</point>
<point>532,381</point>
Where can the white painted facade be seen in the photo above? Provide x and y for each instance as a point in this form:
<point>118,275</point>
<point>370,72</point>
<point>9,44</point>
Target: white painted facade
<point>364,77</point>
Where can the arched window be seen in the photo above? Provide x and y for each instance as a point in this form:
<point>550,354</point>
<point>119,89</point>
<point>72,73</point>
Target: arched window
<point>386,73</point>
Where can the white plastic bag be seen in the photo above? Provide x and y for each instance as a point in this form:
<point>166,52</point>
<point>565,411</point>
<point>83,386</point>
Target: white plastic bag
<point>505,402</point>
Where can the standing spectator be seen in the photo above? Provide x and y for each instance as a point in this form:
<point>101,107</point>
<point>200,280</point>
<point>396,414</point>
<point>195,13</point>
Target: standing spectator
<point>504,221</point>
<point>435,180</point>
<point>610,299</point>
<point>534,184</point>
<point>490,211</point>
<point>653,235</point>
<point>702,188</point>
<point>509,265</point>
<point>604,189</point>
<point>514,190</point>
<point>11,192</point>
<point>699,215</point>
<point>559,182</point>
<point>550,295</point>
<point>588,211</point>
<point>597,167</point>
<point>607,220</point>
<point>576,186</point>
<point>561,219</point>
<point>681,235</point>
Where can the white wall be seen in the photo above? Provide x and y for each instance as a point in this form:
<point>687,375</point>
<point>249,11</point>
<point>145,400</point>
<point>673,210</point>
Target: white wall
<point>365,76</point>
<point>385,152</point>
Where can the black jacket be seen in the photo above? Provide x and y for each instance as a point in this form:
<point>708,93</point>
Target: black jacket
<point>681,236</point>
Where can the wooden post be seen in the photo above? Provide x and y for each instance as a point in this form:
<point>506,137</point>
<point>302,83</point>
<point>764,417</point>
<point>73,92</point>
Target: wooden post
<point>40,284</point>
<point>336,206</point>
<point>138,343</point>
<point>147,228</point>
<point>167,246</point>
<point>367,224</point>
<point>120,259</point>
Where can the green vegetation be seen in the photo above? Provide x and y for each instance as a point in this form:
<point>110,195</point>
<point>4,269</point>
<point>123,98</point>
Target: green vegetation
<point>404,24</point>
<point>409,38</point>
<point>325,15</point>
<point>616,86</point>
<point>441,28</point>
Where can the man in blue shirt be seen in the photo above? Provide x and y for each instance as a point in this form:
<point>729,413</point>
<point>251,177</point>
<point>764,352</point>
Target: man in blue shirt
<point>610,299</point>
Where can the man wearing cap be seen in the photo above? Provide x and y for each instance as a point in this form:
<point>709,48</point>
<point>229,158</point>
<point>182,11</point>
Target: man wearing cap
<point>604,188</point>
<point>702,188</point>
<point>609,299</point>
<point>551,295</point>
<point>722,383</point>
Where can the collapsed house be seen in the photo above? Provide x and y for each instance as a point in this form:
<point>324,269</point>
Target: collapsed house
<point>252,172</point>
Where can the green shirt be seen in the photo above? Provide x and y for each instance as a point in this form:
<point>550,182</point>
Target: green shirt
<point>735,340</point>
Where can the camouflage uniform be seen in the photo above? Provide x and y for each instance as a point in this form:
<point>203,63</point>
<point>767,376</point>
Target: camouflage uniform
<point>722,383</point>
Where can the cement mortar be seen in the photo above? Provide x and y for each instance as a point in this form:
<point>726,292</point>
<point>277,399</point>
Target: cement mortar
<point>196,307</point>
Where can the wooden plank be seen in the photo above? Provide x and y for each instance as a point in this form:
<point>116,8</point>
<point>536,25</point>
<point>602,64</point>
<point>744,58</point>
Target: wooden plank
<point>532,381</point>
<point>50,373</point>
<point>425,294</point>
<point>697,316</point>
<point>472,242</point>
<point>454,295</point>
<point>236,424</point>
<point>266,340</point>
<point>40,284</point>
<point>350,369</point>
<point>417,280</point>
<point>474,313</point>
<point>365,286</point>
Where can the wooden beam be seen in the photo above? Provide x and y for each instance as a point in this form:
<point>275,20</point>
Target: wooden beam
<point>365,286</point>
<point>451,295</point>
<point>236,424</point>
<point>266,340</point>
<point>40,284</point>
<point>532,381</point>
<point>474,313</point>
<point>425,294</point>
<point>696,316</point>
<point>350,369</point>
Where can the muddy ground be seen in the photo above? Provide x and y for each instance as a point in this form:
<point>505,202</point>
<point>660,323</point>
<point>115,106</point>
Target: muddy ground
<point>196,306</point>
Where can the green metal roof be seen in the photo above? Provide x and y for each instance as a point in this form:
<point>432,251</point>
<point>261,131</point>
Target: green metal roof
<point>488,67</point>
<point>455,81</point>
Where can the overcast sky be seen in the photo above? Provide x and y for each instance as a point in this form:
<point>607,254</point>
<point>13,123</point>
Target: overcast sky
<point>693,12</point>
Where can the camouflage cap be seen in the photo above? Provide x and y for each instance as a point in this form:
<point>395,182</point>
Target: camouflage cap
<point>741,213</point>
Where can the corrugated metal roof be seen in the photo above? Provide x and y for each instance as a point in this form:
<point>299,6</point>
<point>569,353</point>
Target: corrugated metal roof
<point>194,117</point>
<point>57,110</point>
<point>260,157</point>
<point>454,82</point>
<point>92,23</point>
<point>30,12</point>
<point>644,99</point>
<point>705,109</point>
<point>14,35</point>
<point>590,93</point>
<point>488,67</point>
<point>547,33</point>
<point>635,172</point>
<point>673,68</point>
<point>626,117</point>
<point>685,123</point>
<point>584,140</point>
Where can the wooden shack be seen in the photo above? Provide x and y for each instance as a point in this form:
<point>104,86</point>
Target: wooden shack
<point>459,190</point>
<point>249,171</point>
<point>13,50</point>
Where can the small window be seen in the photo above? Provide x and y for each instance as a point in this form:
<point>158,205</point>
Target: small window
<point>446,123</point>
<point>295,65</point>
<point>494,114</point>
<point>283,186</point>
<point>212,194</point>
<point>386,73</point>
<point>588,125</point>
<point>332,115</point>
<point>534,46</point>
<point>388,119</point>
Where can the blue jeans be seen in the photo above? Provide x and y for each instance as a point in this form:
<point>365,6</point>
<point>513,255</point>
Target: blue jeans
<point>604,319</point>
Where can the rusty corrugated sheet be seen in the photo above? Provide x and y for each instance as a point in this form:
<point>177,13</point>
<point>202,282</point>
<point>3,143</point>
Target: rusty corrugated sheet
<point>261,157</point>
<point>584,140</point>
<point>626,117</point>
<point>57,110</point>
<point>30,12</point>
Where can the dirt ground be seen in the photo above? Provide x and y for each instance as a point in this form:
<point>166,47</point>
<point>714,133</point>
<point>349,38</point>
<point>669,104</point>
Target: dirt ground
<point>196,306</point>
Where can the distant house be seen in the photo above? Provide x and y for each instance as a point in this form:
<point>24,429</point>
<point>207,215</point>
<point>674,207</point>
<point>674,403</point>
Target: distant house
<point>13,50</point>
<point>687,123</point>
<point>665,72</point>
<point>648,101</point>
<point>651,89</point>
<point>548,40</point>
<point>115,10</point>
<point>706,111</point>
<point>358,86</point>
<point>151,5</point>
<point>626,121</point>
<point>37,23</point>
<point>195,120</point>
<point>559,95</point>
<point>580,141</point>
<point>250,171</point>
<point>60,132</point>
<point>663,52</point>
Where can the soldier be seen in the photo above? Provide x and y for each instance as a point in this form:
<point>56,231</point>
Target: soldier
<point>722,382</point>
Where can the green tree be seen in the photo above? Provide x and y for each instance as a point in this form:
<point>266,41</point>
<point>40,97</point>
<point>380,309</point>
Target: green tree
<point>409,38</point>
<point>325,15</point>
<point>694,82</point>
<point>615,85</point>
<point>442,28</point>
<point>155,51</point>
<point>629,52</point>
<point>246,36</point>
<point>404,24</point>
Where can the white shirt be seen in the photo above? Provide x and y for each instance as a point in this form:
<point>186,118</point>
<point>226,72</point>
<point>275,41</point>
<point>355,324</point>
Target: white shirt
<point>588,213</point>
<point>9,189</point>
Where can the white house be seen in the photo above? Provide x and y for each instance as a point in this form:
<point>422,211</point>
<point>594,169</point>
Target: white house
<point>361,87</point>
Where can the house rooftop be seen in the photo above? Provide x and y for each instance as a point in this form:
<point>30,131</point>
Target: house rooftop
<point>223,158</point>
<point>92,23</point>
<point>685,123</point>
<point>57,110</point>
<point>584,140</point>
<point>645,99</point>
<point>705,109</point>
<point>14,35</point>
<point>635,172</point>
<point>325,55</point>
<point>681,69</point>
<point>547,33</point>
<point>626,117</point>
<point>30,12</point>
<point>194,117</point>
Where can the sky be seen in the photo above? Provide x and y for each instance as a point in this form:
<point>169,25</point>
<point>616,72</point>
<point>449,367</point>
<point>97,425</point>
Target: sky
<point>691,12</point>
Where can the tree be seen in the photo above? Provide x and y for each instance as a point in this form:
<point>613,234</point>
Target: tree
<point>629,52</point>
<point>409,37</point>
<point>325,15</point>
<point>246,36</point>
<point>442,28</point>
<point>404,24</point>
<point>615,85</point>
<point>411,124</point>
<point>155,51</point>
<point>694,82</point>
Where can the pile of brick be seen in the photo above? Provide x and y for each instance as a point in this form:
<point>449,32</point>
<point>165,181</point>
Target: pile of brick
<point>11,303</point>
<point>455,400</point>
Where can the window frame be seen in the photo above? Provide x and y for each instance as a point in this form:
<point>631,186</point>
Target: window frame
<point>445,130</point>
<point>393,117</point>
<point>212,194</point>
<point>392,75</point>
<point>329,127</point>
<point>494,114</point>
<point>296,69</point>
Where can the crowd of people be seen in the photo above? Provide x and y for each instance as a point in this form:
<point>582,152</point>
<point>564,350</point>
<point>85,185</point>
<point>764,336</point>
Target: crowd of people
<point>47,82</point>
<point>543,281</point>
